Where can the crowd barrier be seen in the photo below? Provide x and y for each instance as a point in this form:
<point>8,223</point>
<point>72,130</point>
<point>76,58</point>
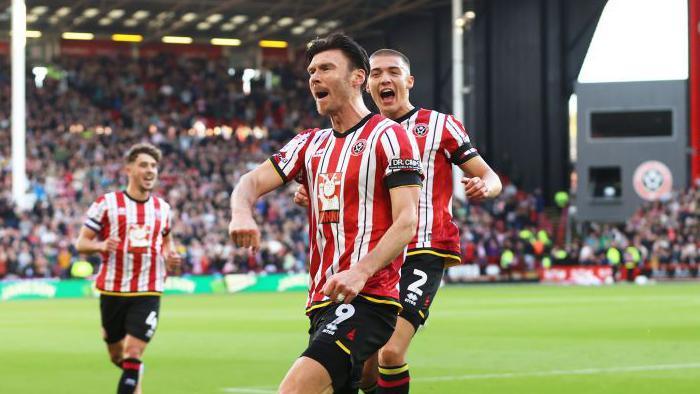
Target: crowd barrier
<point>77,288</point>
<point>245,283</point>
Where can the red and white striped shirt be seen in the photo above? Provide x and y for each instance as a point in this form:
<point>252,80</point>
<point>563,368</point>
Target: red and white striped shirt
<point>349,177</point>
<point>442,142</point>
<point>138,265</point>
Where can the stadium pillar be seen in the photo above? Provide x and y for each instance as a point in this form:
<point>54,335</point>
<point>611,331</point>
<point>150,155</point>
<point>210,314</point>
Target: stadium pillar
<point>694,43</point>
<point>457,60</point>
<point>19,26</point>
<point>458,22</point>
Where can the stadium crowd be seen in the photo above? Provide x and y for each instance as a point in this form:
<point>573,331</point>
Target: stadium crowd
<point>195,110</point>
<point>211,130</point>
<point>661,237</point>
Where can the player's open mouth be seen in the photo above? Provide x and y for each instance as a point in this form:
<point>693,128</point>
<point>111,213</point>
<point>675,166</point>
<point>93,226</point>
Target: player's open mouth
<point>387,95</point>
<point>321,94</point>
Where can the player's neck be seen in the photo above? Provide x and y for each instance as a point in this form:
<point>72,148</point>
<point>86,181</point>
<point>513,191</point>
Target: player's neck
<point>349,115</point>
<point>137,194</point>
<point>399,113</point>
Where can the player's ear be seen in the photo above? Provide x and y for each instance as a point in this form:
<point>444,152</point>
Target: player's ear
<point>358,77</point>
<point>409,81</point>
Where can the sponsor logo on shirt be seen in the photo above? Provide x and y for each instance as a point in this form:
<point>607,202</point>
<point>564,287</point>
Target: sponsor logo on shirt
<point>139,237</point>
<point>405,164</point>
<point>329,197</point>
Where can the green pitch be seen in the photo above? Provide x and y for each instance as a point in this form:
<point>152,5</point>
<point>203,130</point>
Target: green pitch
<point>495,339</point>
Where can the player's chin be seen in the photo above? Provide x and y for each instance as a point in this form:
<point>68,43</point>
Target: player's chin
<point>384,109</point>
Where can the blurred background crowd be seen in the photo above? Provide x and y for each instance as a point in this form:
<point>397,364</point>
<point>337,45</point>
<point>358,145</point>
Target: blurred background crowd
<point>213,124</point>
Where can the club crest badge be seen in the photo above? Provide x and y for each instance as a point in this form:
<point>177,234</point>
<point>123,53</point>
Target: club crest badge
<point>420,130</point>
<point>358,147</point>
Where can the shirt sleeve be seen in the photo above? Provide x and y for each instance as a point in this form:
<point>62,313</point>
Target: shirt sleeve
<point>399,159</point>
<point>96,215</point>
<point>456,143</point>
<point>289,161</point>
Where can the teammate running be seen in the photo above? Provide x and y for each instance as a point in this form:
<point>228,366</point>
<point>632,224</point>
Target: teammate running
<point>130,229</point>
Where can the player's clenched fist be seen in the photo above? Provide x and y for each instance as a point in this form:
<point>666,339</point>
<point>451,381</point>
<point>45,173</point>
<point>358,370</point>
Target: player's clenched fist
<point>110,244</point>
<point>173,261</point>
<point>345,285</point>
<point>475,188</point>
<point>301,196</point>
<point>244,232</point>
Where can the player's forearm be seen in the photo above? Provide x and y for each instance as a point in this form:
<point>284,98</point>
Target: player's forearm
<point>168,245</point>
<point>493,183</point>
<point>253,185</point>
<point>393,243</point>
<point>244,196</point>
<point>88,246</point>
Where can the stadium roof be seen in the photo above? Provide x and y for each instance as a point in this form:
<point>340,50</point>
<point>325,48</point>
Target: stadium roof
<point>247,20</point>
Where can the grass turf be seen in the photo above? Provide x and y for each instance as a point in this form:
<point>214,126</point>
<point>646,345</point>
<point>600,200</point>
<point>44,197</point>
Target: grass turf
<point>479,339</point>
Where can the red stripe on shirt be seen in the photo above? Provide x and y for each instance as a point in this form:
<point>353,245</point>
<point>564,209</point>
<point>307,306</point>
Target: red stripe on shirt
<point>423,118</point>
<point>154,252</point>
<point>120,257</point>
<point>138,256</point>
<point>105,234</point>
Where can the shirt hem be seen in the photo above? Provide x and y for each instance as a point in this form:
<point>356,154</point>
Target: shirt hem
<point>130,294</point>
<point>451,257</point>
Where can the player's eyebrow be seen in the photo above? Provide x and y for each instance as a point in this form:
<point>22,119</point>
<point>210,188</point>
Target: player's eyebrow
<point>390,68</point>
<point>321,66</point>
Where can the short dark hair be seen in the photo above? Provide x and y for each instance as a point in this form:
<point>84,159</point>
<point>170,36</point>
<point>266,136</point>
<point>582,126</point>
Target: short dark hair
<point>392,52</point>
<point>145,148</point>
<point>352,50</point>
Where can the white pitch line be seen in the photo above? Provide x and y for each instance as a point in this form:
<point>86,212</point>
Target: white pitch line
<point>587,371</point>
<point>509,375</point>
<point>249,390</point>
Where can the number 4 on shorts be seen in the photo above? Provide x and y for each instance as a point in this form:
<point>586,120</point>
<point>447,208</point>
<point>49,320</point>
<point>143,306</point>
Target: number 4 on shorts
<point>152,320</point>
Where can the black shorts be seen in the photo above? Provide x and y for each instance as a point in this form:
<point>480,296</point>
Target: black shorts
<point>343,336</point>
<point>421,275</point>
<point>136,316</point>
